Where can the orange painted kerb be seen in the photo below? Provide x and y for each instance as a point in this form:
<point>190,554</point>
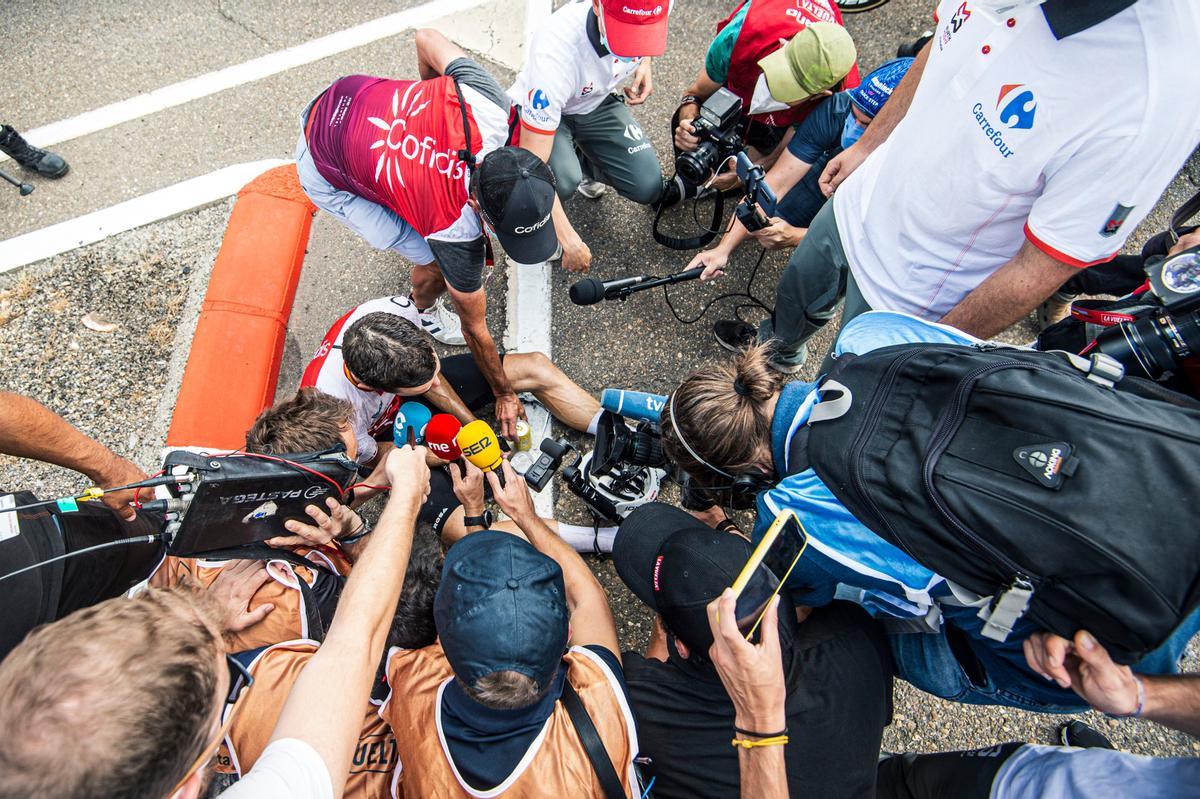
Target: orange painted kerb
<point>234,360</point>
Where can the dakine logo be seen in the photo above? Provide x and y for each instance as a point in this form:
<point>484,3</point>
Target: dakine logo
<point>1018,113</point>
<point>1049,463</point>
<point>521,231</point>
<point>400,145</point>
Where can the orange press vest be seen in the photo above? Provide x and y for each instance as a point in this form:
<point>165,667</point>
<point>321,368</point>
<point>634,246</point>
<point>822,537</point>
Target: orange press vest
<point>556,764</point>
<point>275,671</point>
<point>289,619</point>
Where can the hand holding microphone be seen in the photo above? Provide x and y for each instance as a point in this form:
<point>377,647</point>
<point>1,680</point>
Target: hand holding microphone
<point>590,291</point>
<point>411,421</point>
<point>480,445</point>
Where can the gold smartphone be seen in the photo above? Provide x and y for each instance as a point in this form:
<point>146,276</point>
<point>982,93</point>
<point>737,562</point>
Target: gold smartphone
<point>780,548</point>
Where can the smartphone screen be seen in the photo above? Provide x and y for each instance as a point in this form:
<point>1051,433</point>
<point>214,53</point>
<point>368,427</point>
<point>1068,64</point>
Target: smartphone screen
<point>779,550</point>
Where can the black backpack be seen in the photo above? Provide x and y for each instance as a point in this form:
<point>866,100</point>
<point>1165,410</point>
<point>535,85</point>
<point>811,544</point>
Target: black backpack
<point>1050,483</point>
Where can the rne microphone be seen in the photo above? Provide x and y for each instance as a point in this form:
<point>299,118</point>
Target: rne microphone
<point>441,436</point>
<point>412,417</point>
<point>480,445</point>
<point>639,405</point>
<point>590,291</point>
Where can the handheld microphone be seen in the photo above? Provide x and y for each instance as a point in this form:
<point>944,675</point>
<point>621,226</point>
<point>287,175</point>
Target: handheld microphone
<point>440,436</point>
<point>590,291</point>
<point>480,445</point>
<point>639,405</point>
<point>412,417</point>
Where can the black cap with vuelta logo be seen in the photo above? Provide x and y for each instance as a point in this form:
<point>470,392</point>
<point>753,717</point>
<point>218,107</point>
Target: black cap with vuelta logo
<point>515,192</point>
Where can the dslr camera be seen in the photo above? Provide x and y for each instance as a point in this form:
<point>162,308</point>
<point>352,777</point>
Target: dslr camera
<point>717,128</point>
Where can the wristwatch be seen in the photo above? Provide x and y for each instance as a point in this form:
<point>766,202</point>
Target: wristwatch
<point>484,521</point>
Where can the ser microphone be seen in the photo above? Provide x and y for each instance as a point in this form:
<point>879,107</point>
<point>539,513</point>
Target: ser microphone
<point>480,445</point>
<point>590,291</point>
<point>441,436</point>
<point>412,417</point>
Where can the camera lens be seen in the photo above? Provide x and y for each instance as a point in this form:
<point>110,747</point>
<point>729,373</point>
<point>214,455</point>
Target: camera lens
<point>695,167</point>
<point>1156,344</point>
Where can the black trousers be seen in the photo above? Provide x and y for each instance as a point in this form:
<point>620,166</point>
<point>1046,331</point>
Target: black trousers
<point>967,774</point>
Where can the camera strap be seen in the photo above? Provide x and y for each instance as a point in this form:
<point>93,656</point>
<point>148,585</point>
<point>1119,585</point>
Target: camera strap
<point>694,242</point>
<point>610,783</point>
<point>1183,213</point>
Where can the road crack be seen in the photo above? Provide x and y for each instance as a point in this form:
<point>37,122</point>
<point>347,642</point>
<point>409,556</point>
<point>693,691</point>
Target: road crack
<point>230,18</point>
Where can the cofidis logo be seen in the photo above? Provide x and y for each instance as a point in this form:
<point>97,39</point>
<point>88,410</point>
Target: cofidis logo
<point>1015,108</point>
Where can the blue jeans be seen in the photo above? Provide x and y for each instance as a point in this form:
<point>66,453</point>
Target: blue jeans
<point>926,661</point>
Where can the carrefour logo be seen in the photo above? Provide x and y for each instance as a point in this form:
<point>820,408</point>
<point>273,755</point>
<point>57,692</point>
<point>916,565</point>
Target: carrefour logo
<point>1019,109</point>
<point>538,100</point>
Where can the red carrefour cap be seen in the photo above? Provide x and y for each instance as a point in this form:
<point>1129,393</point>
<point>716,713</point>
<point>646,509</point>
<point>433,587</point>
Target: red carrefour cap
<point>636,28</point>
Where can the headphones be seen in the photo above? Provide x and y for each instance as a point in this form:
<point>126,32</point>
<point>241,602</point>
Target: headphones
<point>744,486</point>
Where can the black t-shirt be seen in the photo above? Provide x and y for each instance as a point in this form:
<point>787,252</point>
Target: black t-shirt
<point>839,698</point>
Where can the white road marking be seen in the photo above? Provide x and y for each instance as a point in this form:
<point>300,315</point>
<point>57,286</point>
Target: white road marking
<point>157,205</point>
<point>247,72</point>
<point>530,306</point>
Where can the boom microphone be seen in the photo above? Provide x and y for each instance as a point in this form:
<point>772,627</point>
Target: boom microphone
<point>480,445</point>
<point>440,436</point>
<point>412,417</point>
<point>590,291</point>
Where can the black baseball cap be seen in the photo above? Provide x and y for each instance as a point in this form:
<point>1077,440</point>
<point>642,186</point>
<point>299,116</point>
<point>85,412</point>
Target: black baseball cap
<point>515,191</point>
<point>677,564</point>
<point>501,606</point>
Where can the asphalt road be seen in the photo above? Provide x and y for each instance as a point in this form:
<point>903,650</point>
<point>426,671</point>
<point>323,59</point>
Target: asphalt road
<point>71,57</point>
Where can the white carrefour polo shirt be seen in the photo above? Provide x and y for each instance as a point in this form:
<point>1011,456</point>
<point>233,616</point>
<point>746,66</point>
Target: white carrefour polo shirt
<point>563,73</point>
<point>1015,134</point>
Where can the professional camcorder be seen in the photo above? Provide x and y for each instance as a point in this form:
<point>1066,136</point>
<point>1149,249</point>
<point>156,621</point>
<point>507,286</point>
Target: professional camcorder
<point>626,467</point>
<point>720,139</point>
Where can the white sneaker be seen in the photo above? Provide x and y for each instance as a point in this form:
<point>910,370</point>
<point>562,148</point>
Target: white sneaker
<point>443,324</point>
<point>592,189</point>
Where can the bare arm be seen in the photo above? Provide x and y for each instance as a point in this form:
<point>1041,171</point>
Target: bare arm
<point>472,308</point>
<point>753,677</point>
<point>844,163</point>
<point>350,654</point>
<point>576,255</point>
<point>591,618</point>
<point>434,53</point>
<point>1009,293</point>
<point>1084,666</point>
<point>29,429</point>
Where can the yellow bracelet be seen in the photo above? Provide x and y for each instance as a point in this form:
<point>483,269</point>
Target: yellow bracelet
<point>778,740</point>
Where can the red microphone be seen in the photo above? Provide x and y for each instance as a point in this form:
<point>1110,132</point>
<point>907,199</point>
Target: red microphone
<point>440,436</point>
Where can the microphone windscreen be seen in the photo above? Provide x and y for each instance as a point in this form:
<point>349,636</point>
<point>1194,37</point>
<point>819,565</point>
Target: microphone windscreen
<point>480,445</point>
<point>588,291</point>
<point>633,404</point>
<point>412,416</point>
<point>441,436</point>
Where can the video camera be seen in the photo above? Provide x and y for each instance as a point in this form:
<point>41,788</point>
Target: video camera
<point>626,467</point>
<point>717,129</point>
<point>756,210</point>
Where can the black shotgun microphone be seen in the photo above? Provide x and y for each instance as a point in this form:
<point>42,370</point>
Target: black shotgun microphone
<point>590,291</point>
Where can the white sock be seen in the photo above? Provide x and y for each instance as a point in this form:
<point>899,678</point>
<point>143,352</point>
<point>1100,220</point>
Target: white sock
<point>592,425</point>
<point>582,538</point>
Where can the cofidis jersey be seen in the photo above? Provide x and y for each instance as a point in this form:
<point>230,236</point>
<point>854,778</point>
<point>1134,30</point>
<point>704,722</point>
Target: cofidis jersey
<point>396,143</point>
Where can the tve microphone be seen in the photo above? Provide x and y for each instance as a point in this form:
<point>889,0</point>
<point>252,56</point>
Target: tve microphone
<point>441,436</point>
<point>480,445</point>
<point>590,291</point>
<point>412,416</point>
<point>633,404</point>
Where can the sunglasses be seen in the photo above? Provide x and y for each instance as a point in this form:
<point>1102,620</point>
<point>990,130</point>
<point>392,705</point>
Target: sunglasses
<point>240,679</point>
